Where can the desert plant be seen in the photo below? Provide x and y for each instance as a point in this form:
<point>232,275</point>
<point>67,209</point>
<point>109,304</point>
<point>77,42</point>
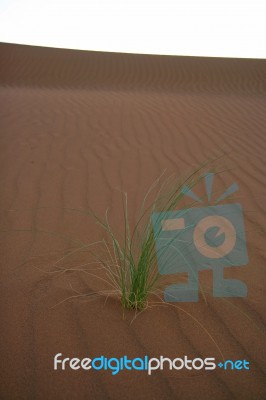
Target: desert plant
<point>129,259</point>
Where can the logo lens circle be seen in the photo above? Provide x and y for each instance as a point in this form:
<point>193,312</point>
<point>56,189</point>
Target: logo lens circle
<point>225,228</point>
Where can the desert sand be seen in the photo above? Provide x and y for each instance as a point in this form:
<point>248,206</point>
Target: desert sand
<point>78,127</point>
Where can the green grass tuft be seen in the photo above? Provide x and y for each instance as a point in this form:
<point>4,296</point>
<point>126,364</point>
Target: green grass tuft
<point>130,260</point>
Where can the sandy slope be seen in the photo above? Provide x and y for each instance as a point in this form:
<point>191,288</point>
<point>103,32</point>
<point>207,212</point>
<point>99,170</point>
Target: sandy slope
<point>77,127</point>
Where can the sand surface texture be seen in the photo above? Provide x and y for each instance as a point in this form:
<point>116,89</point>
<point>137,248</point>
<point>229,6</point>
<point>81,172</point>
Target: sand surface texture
<point>76,128</point>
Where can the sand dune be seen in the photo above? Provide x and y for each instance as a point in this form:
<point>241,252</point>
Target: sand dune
<point>76,128</point>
